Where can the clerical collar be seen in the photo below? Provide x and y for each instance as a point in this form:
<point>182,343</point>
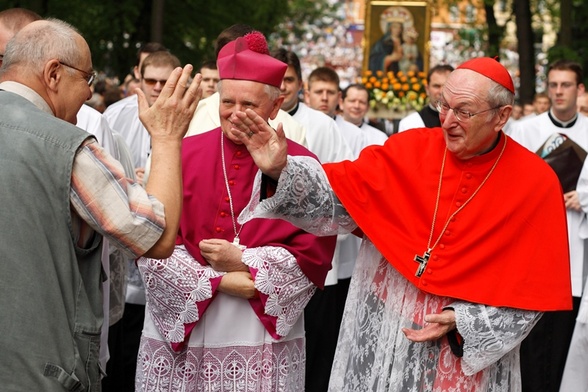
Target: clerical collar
<point>294,109</point>
<point>562,124</point>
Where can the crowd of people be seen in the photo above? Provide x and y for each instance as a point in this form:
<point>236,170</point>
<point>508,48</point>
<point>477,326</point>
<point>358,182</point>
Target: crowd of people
<point>243,224</point>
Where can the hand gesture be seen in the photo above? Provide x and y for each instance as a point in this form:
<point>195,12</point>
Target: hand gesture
<point>267,146</point>
<point>171,113</point>
<point>436,326</point>
<point>222,255</point>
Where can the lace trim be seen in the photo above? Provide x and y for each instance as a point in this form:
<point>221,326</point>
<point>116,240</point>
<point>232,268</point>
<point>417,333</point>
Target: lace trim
<point>304,198</point>
<point>270,367</point>
<point>281,279</point>
<point>374,355</point>
<point>173,287</point>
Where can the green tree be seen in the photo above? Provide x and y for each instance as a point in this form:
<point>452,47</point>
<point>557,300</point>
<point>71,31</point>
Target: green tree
<point>115,29</point>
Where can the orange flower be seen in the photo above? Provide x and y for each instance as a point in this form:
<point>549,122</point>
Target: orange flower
<point>405,87</point>
<point>377,84</point>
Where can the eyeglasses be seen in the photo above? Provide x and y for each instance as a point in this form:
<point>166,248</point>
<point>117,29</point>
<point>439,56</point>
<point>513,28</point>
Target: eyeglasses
<point>88,76</point>
<point>153,82</point>
<point>461,115</point>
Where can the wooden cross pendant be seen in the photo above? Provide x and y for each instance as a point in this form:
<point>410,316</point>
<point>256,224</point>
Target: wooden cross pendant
<point>422,260</point>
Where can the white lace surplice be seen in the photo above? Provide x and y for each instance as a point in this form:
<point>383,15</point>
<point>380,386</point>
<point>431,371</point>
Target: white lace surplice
<point>229,348</point>
<point>372,353</point>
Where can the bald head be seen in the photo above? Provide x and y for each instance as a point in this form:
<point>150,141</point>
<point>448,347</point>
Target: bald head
<point>11,22</point>
<point>42,40</point>
<point>52,58</point>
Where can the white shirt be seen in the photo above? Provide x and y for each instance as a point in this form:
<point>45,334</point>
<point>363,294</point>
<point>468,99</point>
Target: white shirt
<point>532,132</point>
<point>413,120</point>
<point>123,117</point>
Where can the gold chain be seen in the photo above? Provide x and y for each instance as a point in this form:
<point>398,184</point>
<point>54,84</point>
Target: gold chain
<point>430,248</point>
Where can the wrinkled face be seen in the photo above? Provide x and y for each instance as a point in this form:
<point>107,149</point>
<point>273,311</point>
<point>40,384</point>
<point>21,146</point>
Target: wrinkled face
<point>582,104</point>
<point>563,91</point>
<point>73,89</point>
<point>355,105</point>
<point>435,86</point>
<point>153,80</point>
<point>323,96</point>
<point>466,90</point>
<point>289,89</point>
<point>239,95</point>
<point>210,79</point>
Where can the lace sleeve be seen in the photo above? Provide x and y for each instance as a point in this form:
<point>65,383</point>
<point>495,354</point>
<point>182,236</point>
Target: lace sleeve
<point>489,333</point>
<point>283,284</point>
<point>178,290</point>
<point>304,198</point>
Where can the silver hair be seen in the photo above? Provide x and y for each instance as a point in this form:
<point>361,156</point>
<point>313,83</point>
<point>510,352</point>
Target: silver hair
<point>34,47</point>
<point>498,95</point>
<point>272,92</point>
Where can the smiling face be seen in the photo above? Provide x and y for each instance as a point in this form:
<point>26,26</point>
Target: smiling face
<point>355,105</point>
<point>239,95</point>
<point>74,89</point>
<point>467,90</point>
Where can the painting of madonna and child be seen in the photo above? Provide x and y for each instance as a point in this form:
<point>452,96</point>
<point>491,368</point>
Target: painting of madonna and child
<point>396,36</point>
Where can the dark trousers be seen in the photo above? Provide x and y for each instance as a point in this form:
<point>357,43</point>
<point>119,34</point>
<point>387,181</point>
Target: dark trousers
<point>544,351</point>
<point>320,322</point>
<point>123,343</point>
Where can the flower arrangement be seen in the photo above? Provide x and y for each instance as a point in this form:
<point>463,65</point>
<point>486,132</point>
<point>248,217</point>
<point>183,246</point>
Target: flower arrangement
<point>400,92</point>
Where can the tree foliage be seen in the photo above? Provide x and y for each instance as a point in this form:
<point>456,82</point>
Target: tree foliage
<point>115,29</point>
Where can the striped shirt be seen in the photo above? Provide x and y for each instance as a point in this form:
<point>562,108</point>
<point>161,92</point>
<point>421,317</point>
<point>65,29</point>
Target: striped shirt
<point>102,198</point>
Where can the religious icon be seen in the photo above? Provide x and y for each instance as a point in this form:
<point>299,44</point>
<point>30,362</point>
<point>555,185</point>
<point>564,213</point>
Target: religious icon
<point>397,36</point>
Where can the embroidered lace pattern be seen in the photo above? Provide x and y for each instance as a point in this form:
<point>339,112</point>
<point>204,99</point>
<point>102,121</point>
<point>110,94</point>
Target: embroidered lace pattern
<point>173,288</point>
<point>276,367</point>
<point>281,279</point>
<point>372,353</point>
<point>311,205</point>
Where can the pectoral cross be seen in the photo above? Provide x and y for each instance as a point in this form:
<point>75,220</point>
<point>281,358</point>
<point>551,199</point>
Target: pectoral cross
<point>422,260</point>
<point>237,244</point>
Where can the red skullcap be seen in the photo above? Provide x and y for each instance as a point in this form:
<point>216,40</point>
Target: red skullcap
<point>492,69</point>
<point>247,58</point>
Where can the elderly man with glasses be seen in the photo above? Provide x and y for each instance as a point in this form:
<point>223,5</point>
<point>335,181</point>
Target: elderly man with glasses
<point>123,116</point>
<point>61,195</point>
<point>455,257</point>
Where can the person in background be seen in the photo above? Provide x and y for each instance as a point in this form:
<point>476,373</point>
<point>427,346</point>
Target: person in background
<point>544,352</point>
<point>144,51</point>
<point>324,139</point>
<point>225,311</point>
<point>354,107</point>
<point>210,78</point>
<point>322,93</point>
<point>428,116</point>
<point>423,312</point>
<point>13,20</point>
<point>582,103</point>
<point>71,194</point>
<point>517,111</point>
<point>123,116</point>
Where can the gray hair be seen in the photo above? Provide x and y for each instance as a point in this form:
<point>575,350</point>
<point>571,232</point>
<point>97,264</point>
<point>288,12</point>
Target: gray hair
<point>34,47</point>
<point>272,92</point>
<point>498,95</point>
